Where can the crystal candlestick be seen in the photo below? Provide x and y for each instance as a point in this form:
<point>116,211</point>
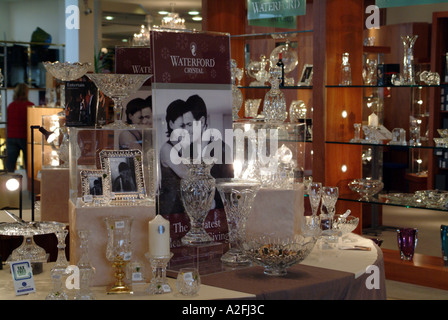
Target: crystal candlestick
<point>238,197</point>
<point>118,87</point>
<point>86,270</point>
<point>158,283</point>
<point>61,260</point>
<point>197,193</point>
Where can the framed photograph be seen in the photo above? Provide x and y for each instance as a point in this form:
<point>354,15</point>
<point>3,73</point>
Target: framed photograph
<point>126,173</point>
<point>307,75</point>
<point>94,185</point>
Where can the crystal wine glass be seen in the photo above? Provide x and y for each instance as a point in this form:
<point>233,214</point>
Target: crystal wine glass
<point>314,194</point>
<point>329,198</point>
<point>238,197</point>
<point>118,87</point>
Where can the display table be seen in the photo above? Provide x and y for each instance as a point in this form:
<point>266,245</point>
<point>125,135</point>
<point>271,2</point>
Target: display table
<point>327,274</point>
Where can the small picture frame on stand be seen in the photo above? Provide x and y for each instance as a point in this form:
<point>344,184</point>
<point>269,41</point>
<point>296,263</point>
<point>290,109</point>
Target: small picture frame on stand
<point>306,79</point>
<point>94,186</point>
<point>126,173</point>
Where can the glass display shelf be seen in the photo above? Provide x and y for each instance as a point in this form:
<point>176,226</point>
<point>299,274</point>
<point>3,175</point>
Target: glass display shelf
<point>388,86</point>
<point>272,35</point>
<point>423,145</point>
<point>383,199</point>
<point>281,87</point>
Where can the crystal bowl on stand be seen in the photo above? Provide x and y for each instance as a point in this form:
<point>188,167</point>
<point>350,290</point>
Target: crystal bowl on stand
<point>277,253</point>
<point>67,71</point>
<point>367,188</point>
<point>118,87</point>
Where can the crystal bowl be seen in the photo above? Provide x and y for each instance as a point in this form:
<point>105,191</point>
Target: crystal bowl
<point>66,71</point>
<point>443,133</point>
<point>345,225</point>
<point>399,198</point>
<point>432,198</point>
<point>366,187</point>
<point>441,142</point>
<point>276,253</point>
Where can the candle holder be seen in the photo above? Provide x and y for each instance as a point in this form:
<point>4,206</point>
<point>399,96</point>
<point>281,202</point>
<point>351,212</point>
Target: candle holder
<point>158,284</point>
<point>118,250</point>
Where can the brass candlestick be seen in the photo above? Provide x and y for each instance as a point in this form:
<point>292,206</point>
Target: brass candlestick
<point>119,274</point>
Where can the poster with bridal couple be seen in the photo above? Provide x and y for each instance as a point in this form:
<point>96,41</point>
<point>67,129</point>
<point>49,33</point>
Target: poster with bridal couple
<point>192,102</point>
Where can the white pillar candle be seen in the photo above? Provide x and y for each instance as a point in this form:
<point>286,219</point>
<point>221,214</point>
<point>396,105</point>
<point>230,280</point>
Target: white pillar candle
<point>373,120</point>
<point>159,236</point>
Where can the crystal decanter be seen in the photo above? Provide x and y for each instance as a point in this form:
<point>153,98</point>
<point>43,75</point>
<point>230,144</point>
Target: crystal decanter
<point>274,106</point>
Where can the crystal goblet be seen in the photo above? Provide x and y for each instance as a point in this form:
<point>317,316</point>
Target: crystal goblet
<point>118,249</point>
<point>314,194</point>
<point>329,198</point>
<point>238,197</point>
<point>118,87</point>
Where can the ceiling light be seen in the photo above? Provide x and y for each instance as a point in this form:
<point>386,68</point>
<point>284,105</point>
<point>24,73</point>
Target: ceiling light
<point>163,12</point>
<point>197,18</point>
<point>193,12</point>
<point>109,18</point>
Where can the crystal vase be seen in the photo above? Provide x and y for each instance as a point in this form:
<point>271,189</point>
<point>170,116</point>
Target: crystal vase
<point>197,193</point>
<point>408,74</point>
<point>118,250</point>
<point>86,270</point>
<point>118,87</point>
<point>237,95</point>
<point>274,105</point>
<point>238,197</point>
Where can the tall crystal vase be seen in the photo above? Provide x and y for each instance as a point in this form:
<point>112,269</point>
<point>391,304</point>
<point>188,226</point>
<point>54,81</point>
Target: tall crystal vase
<point>408,74</point>
<point>238,197</point>
<point>118,250</point>
<point>86,270</point>
<point>274,106</point>
<point>197,193</point>
<point>237,95</point>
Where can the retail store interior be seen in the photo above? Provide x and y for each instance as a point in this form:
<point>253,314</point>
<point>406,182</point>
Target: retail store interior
<point>330,150</point>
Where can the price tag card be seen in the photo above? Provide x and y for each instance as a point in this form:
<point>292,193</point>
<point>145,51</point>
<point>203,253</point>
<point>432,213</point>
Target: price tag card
<point>22,275</point>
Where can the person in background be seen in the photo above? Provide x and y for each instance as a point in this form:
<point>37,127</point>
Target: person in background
<point>17,126</point>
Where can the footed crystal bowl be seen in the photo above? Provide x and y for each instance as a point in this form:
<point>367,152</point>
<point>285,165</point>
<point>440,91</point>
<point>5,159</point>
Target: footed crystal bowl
<point>367,188</point>
<point>276,253</point>
<point>118,87</point>
<point>66,71</point>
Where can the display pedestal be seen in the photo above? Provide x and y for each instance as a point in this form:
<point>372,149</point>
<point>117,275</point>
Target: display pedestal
<point>92,218</point>
<point>277,211</point>
<point>54,194</point>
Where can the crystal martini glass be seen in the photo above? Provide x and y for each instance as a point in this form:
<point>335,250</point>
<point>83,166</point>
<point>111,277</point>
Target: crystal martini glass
<point>118,87</point>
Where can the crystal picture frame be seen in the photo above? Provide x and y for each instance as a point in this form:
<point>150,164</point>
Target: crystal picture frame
<point>124,167</point>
